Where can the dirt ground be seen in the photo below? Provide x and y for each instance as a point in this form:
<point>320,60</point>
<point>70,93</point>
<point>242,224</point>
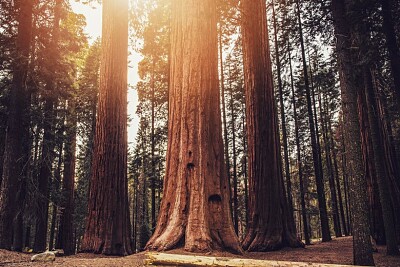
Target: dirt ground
<point>338,251</point>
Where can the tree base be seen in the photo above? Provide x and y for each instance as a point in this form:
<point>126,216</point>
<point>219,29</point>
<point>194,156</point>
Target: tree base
<point>259,241</point>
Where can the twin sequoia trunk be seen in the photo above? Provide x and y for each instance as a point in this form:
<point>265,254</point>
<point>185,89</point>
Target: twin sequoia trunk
<point>195,207</point>
<point>271,225</point>
<point>108,226</point>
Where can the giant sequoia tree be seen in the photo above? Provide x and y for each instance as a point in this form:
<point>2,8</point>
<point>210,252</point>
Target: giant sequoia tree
<point>195,209</point>
<point>271,224</point>
<point>108,226</point>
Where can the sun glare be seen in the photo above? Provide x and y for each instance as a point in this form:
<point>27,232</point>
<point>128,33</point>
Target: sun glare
<point>93,14</point>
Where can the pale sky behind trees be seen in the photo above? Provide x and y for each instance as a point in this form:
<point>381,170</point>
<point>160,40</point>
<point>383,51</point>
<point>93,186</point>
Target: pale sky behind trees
<point>93,12</point>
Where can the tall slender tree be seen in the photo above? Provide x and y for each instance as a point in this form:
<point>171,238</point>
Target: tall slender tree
<point>269,229</point>
<point>66,226</point>
<point>48,144</point>
<point>319,175</point>
<point>12,166</point>
<point>299,159</point>
<point>195,209</point>
<point>108,228</point>
<point>282,113</point>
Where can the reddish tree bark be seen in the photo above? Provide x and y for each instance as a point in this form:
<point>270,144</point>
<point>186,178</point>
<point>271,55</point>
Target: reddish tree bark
<point>195,210</point>
<point>381,171</point>
<point>271,223</point>
<point>108,228</point>
<point>12,167</point>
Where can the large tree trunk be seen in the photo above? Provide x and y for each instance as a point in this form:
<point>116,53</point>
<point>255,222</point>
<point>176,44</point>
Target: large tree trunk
<point>350,79</point>
<point>195,210</point>
<point>12,165</point>
<point>369,158</point>
<point>271,223</point>
<point>381,172</point>
<point>66,229</point>
<point>108,228</point>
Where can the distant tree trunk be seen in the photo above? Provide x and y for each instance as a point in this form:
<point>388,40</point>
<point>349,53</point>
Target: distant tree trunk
<point>18,235</point>
<point>345,175</point>
<point>331,175</point>
<point>391,43</point>
<point>337,178</point>
<point>350,81</point>
<point>3,126</point>
<point>108,229</point>
<point>283,117</point>
<point>12,165</point>
<point>153,160</point>
<point>381,172</point>
<point>48,139</point>
<point>135,214</point>
<point>195,210</point>
<point>44,177</point>
<point>299,159</point>
<point>66,229</point>
<point>144,233</point>
<point>244,167</point>
<point>319,176</point>
<point>234,159</point>
<point>55,194</point>
<point>271,223</point>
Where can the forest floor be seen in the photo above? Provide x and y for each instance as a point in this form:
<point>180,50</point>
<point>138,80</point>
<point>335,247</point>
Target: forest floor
<point>338,251</point>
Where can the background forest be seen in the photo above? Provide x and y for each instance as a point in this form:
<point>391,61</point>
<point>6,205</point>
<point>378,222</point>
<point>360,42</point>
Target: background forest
<point>58,122</point>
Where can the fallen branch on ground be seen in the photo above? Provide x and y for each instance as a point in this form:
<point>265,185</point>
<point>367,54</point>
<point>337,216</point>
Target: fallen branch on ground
<point>189,260</point>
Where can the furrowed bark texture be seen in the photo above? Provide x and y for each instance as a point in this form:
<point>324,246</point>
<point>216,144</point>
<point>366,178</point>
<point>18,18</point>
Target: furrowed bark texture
<point>108,225</point>
<point>195,210</point>
<point>350,81</point>
<point>271,224</point>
